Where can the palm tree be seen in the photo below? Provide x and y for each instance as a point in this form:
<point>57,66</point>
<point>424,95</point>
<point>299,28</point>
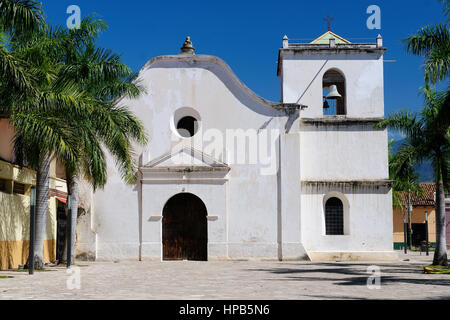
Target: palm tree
<point>433,42</point>
<point>113,127</point>
<point>39,118</point>
<point>428,138</point>
<point>19,90</point>
<point>57,90</point>
<point>101,75</point>
<point>402,172</point>
<point>67,112</point>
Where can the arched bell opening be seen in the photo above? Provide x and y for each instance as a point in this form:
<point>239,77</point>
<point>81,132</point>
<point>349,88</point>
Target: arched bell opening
<point>334,93</point>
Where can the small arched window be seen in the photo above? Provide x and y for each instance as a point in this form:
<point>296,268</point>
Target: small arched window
<point>334,93</point>
<point>334,217</point>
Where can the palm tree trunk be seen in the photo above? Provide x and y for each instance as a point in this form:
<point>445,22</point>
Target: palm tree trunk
<point>440,255</point>
<point>42,195</point>
<point>73,191</point>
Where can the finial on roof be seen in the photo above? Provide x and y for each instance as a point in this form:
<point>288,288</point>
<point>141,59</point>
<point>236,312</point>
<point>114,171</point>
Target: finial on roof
<point>379,41</point>
<point>285,42</point>
<point>328,20</point>
<point>188,48</point>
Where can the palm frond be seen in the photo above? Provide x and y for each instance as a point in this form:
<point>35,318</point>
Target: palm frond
<point>90,29</point>
<point>14,73</point>
<point>405,122</point>
<point>46,133</point>
<point>428,39</point>
<point>432,42</point>
<point>437,65</point>
<point>21,16</point>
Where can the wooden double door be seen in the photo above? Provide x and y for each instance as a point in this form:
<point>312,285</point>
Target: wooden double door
<point>185,229</point>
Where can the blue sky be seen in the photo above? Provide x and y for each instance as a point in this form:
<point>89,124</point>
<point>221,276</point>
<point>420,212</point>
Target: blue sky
<point>248,34</point>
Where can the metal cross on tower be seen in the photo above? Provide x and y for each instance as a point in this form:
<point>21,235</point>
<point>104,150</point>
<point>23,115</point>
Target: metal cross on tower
<point>328,19</point>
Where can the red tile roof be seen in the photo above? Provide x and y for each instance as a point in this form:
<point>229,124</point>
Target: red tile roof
<point>427,200</point>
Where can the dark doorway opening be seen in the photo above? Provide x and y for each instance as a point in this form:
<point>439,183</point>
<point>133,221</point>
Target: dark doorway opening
<point>418,233</point>
<point>185,229</point>
<point>61,231</point>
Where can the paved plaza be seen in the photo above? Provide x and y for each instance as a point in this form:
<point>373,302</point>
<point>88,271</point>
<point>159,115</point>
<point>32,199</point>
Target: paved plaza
<point>244,280</point>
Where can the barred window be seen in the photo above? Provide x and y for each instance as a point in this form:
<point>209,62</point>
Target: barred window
<point>19,188</point>
<point>334,217</point>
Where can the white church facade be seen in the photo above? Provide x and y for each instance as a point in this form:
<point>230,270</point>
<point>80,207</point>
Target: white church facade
<point>228,175</point>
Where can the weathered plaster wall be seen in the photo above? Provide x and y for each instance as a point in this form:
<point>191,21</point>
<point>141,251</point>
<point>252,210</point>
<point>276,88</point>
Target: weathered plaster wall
<point>367,219</point>
<point>15,218</point>
<point>248,204</point>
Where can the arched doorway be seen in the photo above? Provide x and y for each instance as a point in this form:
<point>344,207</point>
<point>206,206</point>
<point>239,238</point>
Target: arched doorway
<point>185,229</point>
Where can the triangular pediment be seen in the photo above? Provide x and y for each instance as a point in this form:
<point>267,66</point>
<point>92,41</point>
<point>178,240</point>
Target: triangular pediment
<point>186,158</point>
<point>325,39</point>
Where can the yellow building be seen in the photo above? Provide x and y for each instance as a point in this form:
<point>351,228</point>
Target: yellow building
<point>420,206</point>
<point>15,187</point>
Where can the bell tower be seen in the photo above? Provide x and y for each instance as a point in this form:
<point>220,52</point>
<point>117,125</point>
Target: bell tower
<point>333,76</point>
<point>346,197</point>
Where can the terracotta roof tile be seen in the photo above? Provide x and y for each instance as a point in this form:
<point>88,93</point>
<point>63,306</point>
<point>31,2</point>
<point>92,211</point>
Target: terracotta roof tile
<point>429,189</point>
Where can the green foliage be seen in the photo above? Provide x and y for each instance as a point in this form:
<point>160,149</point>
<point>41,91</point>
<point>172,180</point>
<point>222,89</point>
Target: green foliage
<point>427,138</point>
<point>402,172</point>
<point>427,134</point>
<point>433,43</point>
<point>62,94</point>
<point>21,16</point>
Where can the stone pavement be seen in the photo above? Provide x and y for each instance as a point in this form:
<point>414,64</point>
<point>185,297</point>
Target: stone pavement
<point>249,280</point>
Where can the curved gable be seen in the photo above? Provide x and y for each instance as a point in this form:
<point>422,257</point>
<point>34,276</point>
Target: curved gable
<point>220,69</point>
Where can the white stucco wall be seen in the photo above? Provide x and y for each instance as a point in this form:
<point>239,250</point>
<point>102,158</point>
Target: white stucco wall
<point>368,223</point>
<point>246,203</point>
<point>343,152</point>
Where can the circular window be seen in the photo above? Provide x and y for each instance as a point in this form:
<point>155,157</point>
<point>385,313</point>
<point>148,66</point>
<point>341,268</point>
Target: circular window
<point>187,127</point>
<point>186,122</point>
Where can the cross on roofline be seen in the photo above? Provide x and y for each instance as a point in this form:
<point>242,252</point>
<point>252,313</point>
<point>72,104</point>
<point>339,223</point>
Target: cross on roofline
<point>328,19</point>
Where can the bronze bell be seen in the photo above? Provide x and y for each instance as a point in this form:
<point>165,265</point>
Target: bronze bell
<point>187,48</point>
<point>334,94</point>
<point>326,105</point>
